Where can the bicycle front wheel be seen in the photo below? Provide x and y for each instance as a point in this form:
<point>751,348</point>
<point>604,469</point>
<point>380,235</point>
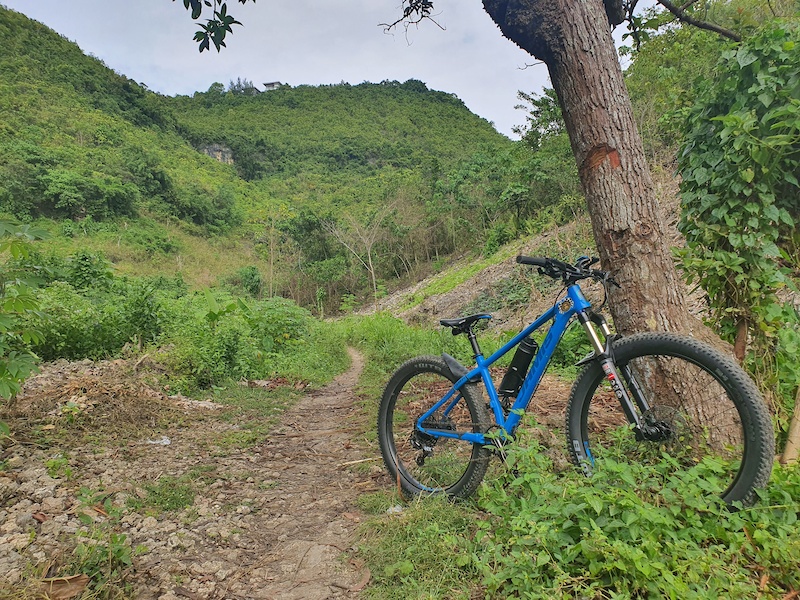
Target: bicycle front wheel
<point>421,463</point>
<point>703,412</point>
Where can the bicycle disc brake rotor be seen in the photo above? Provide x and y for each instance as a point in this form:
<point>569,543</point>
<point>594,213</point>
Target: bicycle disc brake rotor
<point>662,424</point>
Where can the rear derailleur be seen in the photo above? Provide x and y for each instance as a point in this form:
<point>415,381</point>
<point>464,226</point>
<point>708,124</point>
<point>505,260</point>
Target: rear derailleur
<point>425,441</point>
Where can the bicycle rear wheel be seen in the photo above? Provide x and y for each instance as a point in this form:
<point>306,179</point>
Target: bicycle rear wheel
<point>424,464</point>
<point>704,413</point>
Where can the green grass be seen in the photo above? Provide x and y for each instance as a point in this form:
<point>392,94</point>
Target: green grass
<point>416,553</point>
<point>566,243</point>
<point>452,278</point>
<point>132,245</point>
<point>167,494</point>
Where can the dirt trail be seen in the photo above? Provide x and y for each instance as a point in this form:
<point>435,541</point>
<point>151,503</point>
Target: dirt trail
<point>277,521</point>
<point>314,516</point>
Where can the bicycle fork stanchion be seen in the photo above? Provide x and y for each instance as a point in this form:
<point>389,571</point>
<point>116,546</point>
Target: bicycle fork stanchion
<point>605,356</point>
<point>648,429</point>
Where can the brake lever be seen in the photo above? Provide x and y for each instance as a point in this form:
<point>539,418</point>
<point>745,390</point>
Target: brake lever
<point>551,272</point>
<point>584,262</point>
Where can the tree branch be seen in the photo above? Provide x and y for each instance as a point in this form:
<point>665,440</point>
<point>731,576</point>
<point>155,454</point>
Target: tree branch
<point>681,14</point>
<point>217,27</point>
<point>414,12</point>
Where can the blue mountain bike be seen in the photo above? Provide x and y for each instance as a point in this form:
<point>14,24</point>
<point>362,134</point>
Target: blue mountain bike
<point>645,397</point>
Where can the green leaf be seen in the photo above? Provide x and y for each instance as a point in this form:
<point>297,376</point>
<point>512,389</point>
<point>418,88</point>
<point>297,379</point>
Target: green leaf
<point>786,218</point>
<point>771,250</point>
<point>542,559</point>
<point>596,504</point>
<point>701,176</point>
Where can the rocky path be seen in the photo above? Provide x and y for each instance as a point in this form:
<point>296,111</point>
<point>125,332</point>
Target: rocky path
<point>295,514</point>
<point>275,521</point>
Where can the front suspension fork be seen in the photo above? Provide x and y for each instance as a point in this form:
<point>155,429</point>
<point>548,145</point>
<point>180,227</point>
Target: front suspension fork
<point>604,353</point>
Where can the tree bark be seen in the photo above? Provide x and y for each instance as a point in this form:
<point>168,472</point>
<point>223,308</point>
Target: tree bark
<point>791,451</point>
<point>574,40</point>
<point>740,342</point>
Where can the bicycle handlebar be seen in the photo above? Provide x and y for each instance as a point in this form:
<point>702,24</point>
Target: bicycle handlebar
<point>569,274</point>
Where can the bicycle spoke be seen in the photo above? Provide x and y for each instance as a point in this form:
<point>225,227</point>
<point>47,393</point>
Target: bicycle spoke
<point>699,405</point>
<point>425,462</point>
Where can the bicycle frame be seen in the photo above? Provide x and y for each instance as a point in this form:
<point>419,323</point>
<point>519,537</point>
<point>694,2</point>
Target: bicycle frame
<point>572,304</point>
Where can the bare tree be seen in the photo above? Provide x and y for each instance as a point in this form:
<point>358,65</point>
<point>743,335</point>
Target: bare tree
<point>360,240</point>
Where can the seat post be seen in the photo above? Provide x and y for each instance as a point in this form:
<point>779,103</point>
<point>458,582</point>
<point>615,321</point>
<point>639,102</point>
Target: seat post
<point>473,340</point>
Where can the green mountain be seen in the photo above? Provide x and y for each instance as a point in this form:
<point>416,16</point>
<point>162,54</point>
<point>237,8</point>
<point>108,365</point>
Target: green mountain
<point>314,183</point>
<point>358,129</point>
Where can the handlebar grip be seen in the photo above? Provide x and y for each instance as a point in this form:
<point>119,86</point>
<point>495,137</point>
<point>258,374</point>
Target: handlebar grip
<point>536,261</point>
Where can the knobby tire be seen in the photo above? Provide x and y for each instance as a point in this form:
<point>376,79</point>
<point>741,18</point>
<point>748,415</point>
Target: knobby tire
<point>452,466</point>
<point>709,412</point>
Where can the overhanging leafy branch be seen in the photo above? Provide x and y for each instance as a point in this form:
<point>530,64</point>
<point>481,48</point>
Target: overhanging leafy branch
<point>682,14</point>
<point>215,29</point>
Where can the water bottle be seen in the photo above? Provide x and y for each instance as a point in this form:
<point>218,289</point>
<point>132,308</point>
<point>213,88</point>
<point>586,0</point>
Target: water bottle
<point>518,368</point>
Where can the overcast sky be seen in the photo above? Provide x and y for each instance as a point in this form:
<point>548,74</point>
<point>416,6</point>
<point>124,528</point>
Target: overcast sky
<point>303,42</point>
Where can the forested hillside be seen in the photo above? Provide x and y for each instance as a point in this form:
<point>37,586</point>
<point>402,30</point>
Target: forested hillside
<point>325,191</point>
<point>329,129</point>
<point>79,141</point>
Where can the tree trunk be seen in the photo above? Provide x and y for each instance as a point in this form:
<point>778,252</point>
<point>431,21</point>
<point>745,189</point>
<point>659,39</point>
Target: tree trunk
<point>574,40</point>
<point>791,451</point>
<point>740,343</point>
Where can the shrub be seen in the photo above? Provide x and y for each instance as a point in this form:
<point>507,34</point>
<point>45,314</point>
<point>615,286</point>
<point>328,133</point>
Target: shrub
<point>215,338</point>
<point>277,323</point>
<point>204,355</point>
<point>88,270</point>
<point>498,235</point>
<point>96,323</point>
<point>740,193</point>
<point>75,195</point>
<point>551,535</point>
<point>74,327</point>
<point>248,279</point>
<point>17,305</point>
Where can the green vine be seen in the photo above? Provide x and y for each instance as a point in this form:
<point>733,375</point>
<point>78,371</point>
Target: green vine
<point>741,198</point>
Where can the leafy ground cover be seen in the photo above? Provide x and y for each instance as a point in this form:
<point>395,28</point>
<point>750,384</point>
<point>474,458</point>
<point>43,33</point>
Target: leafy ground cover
<point>548,534</point>
<point>552,533</point>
